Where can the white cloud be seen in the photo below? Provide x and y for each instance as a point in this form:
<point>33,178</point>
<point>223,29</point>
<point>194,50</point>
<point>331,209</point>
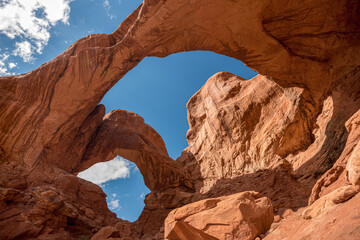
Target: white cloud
<point>24,50</point>
<point>106,171</point>
<point>114,204</point>
<point>12,65</point>
<point>3,69</point>
<point>31,21</point>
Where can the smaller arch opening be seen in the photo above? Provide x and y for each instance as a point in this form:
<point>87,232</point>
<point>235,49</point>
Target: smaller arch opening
<point>123,184</point>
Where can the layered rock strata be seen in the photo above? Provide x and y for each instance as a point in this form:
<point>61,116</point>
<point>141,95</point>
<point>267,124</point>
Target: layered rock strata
<point>293,128</point>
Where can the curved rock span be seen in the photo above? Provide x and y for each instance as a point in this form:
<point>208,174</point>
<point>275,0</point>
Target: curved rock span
<point>290,134</point>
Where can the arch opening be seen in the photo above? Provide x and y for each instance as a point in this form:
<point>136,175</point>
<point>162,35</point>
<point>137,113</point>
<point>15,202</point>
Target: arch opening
<point>123,184</point>
<point>158,90</point>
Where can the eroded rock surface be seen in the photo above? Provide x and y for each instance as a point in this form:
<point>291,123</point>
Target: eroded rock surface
<point>126,134</point>
<point>232,133</point>
<point>339,220</point>
<point>353,162</point>
<point>290,133</point>
<point>244,215</point>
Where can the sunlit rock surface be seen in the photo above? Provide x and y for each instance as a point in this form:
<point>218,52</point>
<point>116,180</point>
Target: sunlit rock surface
<point>238,127</point>
<point>240,216</point>
<point>291,133</point>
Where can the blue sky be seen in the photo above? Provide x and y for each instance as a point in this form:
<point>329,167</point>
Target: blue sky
<point>35,31</point>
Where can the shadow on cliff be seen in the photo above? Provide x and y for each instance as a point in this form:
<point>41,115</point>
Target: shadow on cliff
<point>346,102</point>
<point>286,188</point>
<point>278,184</point>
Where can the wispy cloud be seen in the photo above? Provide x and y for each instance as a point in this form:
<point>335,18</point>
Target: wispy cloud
<point>106,171</point>
<point>142,195</point>
<point>24,50</point>
<point>29,22</point>
<point>3,69</point>
<point>113,203</point>
<point>12,65</point>
<point>107,7</point>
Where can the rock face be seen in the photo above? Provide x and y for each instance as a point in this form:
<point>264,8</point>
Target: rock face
<point>291,133</point>
<point>126,134</point>
<point>327,219</point>
<point>61,209</point>
<point>240,216</point>
<point>353,162</point>
<point>230,117</point>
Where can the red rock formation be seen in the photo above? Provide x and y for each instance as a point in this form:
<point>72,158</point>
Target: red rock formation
<point>337,221</point>
<point>126,134</point>
<point>353,162</point>
<point>240,216</point>
<point>232,133</point>
<point>285,130</point>
<point>332,212</point>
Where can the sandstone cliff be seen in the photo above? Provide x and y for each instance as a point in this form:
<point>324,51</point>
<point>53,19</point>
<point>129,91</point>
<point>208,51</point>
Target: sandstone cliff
<point>291,133</point>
